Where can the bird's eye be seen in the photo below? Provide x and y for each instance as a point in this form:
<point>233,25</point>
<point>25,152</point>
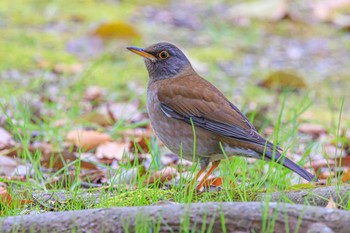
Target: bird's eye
<point>164,55</point>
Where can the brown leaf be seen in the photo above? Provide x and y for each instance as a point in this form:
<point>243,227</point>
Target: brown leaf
<point>57,159</point>
<point>7,165</point>
<point>346,176</point>
<point>43,147</point>
<point>320,163</point>
<point>333,151</point>
<point>138,132</point>
<point>67,69</point>
<point>139,143</point>
<point>6,199</point>
<point>344,161</point>
<point>97,118</point>
<point>125,111</point>
<point>116,30</point>
<point>284,79</point>
<point>111,150</point>
<point>94,178</point>
<point>268,131</point>
<point>326,174</point>
<point>6,140</point>
<point>93,93</point>
<point>313,129</point>
<point>87,139</point>
<point>161,176</point>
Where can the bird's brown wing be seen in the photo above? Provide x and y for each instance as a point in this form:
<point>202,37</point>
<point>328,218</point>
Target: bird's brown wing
<point>207,108</point>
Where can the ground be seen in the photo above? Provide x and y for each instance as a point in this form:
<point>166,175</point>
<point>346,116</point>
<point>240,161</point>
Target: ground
<point>64,67</point>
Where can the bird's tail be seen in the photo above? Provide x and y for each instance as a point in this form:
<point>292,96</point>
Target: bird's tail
<point>290,165</point>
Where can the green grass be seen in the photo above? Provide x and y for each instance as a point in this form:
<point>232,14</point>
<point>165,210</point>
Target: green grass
<point>245,180</point>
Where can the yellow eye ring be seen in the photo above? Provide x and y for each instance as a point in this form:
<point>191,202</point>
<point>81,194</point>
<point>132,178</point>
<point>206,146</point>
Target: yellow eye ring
<point>163,55</point>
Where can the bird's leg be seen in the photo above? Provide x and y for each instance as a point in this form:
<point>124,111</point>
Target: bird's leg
<point>211,169</point>
<point>204,162</point>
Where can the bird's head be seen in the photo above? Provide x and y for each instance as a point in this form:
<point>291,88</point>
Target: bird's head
<point>163,60</point>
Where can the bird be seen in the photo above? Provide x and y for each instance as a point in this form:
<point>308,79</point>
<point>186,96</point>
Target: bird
<point>195,120</point>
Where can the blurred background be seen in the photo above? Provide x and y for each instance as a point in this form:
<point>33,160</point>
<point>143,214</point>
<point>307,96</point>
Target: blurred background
<point>64,66</point>
<point>234,44</point>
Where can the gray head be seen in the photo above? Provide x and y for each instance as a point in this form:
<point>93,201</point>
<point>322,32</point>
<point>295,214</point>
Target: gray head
<point>163,60</point>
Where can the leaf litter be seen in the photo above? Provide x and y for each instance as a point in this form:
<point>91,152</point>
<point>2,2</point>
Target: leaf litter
<point>94,149</point>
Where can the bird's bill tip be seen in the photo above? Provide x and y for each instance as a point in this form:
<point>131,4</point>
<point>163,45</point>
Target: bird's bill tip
<point>142,52</point>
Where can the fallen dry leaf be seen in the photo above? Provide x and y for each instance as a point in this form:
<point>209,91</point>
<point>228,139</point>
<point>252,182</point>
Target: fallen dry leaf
<point>138,144</point>
<point>326,174</point>
<point>4,195</point>
<point>93,93</point>
<point>125,111</point>
<point>185,163</point>
<point>67,68</point>
<point>313,129</point>
<point>284,79</point>
<point>159,177</point>
<point>6,140</point>
<point>57,159</point>
<point>111,150</point>
<point>343,161</point>
<point>7,165</point>
<point>94,178</point>
<point>87,139</point>
<point>6,199</point>
<point>116,30</point>
<point>138,132</point>
<point>97,118</point>
<point>268,131</point>
<point>333,151</point>
<point>346,175</point>
<point>320,163</point>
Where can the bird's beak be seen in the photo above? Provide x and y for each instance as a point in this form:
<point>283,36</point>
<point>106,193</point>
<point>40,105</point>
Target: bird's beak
<point>142,52</point>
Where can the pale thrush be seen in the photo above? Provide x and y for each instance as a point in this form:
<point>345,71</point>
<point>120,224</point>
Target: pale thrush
<point>178,98</point>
